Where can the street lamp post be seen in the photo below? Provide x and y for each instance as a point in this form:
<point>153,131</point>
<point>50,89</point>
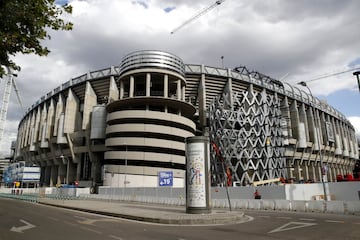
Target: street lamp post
<point>320,151</point>
<point>357,73</point>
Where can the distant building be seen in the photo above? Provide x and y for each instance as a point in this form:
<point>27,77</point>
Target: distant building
<point>4,162</point>
<point>26,176</point>
<point>122,125</point>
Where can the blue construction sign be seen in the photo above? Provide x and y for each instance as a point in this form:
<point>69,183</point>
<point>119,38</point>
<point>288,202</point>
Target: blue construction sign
<point>166,179</point>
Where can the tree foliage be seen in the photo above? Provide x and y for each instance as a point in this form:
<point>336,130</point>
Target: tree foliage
<point>24,24</point>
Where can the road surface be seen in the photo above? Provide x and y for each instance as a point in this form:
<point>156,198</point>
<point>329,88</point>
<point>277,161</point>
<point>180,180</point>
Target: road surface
<point>31,221</point>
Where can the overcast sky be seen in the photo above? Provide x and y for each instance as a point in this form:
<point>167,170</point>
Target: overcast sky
<point>302,40</point>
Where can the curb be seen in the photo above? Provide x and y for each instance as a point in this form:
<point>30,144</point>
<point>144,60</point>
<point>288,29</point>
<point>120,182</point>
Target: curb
<point>215,218</point>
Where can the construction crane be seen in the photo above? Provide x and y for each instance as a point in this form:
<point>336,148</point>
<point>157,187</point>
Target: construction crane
<point>9,82</point>
<point>217,3</point>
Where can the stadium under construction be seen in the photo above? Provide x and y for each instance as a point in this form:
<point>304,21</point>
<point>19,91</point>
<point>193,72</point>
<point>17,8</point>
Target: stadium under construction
<point>122,125</point>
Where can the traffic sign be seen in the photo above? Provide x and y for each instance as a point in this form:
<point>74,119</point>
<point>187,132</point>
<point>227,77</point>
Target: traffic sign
<point>166,179</point>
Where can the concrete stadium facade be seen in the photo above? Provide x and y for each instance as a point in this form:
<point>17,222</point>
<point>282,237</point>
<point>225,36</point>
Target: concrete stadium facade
<point>122,125</point>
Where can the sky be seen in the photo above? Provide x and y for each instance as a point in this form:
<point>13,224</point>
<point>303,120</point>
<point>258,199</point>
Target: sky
<point>294,41</point>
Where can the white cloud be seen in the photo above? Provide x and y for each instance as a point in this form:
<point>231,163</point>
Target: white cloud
<point>302,38</point>
<point>355,121</point>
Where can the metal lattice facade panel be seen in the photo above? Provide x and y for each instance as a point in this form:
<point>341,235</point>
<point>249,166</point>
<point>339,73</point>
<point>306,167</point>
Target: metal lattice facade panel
<point>247,130</point>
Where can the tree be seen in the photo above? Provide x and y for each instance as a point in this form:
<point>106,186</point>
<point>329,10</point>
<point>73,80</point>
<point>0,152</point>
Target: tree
<point>24,24</point>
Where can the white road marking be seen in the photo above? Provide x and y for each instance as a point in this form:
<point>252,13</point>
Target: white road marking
<point>333,221</point>
<point>115,237</point>
<point>52,218</point>
<point>291,226</point>
<point>70,223</point>
<point>264,216</point>
<point>89,221</point>
<point>22,228</point>
<point>284,217</point>
<point>91,230</point>
<point>245,219</point>
<point>306,219</point>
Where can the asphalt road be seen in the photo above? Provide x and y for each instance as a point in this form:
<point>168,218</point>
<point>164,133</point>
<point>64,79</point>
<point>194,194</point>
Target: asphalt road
<point>30,221</point>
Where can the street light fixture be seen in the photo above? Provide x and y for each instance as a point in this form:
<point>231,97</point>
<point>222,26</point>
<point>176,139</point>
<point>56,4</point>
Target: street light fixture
<point>357,73</point>
<point>302,83</point>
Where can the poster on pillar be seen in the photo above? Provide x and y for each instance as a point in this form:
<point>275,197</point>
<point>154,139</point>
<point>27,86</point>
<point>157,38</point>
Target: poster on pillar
<point>196,175</point>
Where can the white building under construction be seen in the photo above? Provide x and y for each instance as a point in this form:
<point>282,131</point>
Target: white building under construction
<point>122,125</point>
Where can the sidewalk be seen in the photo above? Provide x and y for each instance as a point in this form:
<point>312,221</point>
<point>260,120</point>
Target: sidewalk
<point>161,214</point>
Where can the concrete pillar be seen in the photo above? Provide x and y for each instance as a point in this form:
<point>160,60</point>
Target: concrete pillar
<point>47,176</point>
<point>298,171</point>
<point>338,170</point>
<point>228,92</point>
<point>148,84</point>
<point>22,132</point>
<point>96,170</point>
<point>71,112</point>
<point>78,171</point>
<point>26,137</point>
<point>311,126</point>
<point>58,111</point>
<point>303,118</point>
<point>89,102</point>
<point>73,175</point>
<point>306,171</point>
<point>26,130</point>
<point>312,174</point>
<point>330,173</point>
<point>113,90</point>
<point>20,142</point>
<point>345,141</point>
<point>322,127</point>
<point>178,89</point>
<point>294,118</point>
<point>132,85</point>
<point>44,143</point>
<point>121,89</point>
<point>31,127</point>
<point>318,134</point>
<point>285,113</point>
<point>183,93</point>
<point>54,175</point>
<point>341,170</point>
<point>298,127</point>
<point>166,86</point>
<point>42,126</point>
<point>319,172</point>
<point>338,143</point>
<point>60,138</point>
<point>61,173</point>
<point>50,120</point>
<point>37,126</point>
<point>291,171</point>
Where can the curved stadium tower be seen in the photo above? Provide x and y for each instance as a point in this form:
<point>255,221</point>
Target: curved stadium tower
<point>123,125</point>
